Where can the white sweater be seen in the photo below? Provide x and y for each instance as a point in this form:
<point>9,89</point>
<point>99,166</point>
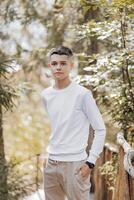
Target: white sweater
<point>71,110</point>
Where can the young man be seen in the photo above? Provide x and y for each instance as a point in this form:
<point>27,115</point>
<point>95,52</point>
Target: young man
<point>71,109</point>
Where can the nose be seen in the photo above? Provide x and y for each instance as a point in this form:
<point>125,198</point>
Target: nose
<point>58,67</point>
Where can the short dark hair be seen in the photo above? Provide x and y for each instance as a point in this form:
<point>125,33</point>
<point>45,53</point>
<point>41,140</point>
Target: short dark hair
<point>62,50</point>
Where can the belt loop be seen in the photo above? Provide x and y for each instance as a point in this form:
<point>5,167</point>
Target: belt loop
<point>54,161</point>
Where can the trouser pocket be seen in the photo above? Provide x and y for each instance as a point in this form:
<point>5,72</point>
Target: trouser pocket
<point>82,182</point>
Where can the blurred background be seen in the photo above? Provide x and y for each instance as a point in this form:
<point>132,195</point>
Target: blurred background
<point>100,32</point>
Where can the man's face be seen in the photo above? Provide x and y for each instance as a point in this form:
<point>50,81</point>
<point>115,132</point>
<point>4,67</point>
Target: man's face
<point>60,66</point>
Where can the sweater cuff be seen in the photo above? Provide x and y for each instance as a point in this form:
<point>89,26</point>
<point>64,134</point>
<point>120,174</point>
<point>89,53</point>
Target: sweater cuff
<point>92,159</point>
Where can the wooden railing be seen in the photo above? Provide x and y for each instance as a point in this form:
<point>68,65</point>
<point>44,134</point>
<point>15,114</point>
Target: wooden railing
<point>124,183</point>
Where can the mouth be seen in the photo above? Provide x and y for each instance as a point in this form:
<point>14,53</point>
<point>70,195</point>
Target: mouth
<point>57,73</point>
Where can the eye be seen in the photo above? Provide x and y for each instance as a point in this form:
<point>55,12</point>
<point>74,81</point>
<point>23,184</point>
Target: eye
<point>63,64</point>
<point>54,64</point>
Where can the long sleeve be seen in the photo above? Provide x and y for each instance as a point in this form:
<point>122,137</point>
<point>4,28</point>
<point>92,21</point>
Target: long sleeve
<point>94,116</point>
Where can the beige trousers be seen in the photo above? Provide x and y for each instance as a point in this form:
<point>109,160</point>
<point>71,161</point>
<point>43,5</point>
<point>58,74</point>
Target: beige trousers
<point>60,180</point>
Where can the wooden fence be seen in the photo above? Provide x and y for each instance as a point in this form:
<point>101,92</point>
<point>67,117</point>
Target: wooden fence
<point>124,185</point>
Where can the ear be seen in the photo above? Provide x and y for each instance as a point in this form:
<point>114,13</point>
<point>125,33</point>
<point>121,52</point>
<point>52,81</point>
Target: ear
<point>49,65</point>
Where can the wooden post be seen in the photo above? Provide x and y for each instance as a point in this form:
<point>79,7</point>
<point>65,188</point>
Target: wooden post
<point>131,187</point>
<point>100,183</point>
<point>122,186</point>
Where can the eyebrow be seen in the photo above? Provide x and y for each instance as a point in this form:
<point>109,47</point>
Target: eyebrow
<point>59,61</point>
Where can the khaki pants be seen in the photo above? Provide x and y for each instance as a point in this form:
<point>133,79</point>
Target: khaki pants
<point>60,180</point>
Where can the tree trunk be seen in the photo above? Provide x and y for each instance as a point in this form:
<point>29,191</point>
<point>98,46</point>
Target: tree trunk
<point>92,15</point>
<point>3,168</point>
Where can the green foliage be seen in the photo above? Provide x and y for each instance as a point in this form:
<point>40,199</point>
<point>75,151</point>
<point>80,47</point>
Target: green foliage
<point>17,186</point>
<point>28,130</point>
<point>22,177</point>
<point>110,71</point>
<point>92,5</point>
<point>7,92</point>
<point>122,3</point>
<point>109,170</point>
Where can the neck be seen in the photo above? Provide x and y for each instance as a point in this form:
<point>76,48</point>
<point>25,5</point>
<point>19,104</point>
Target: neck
<point>60,84</point>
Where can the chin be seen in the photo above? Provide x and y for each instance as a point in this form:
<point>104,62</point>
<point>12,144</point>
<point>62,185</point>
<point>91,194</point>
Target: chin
<point>59,77</point>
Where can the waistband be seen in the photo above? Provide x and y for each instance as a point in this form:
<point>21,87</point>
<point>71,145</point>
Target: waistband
<point>68,157</point>
<point>57,161</point>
